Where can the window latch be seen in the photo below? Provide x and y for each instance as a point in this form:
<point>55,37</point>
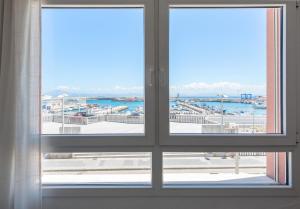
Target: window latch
<point>151,77</point>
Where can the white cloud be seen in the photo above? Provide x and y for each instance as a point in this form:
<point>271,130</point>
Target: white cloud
<point>229,88</point>
<point>189,89</point>
<point>112,91</point>
<point>67,88</point>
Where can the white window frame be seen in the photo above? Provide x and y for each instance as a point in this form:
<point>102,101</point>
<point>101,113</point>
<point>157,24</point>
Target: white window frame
<point>147,138</point>
<point>289,78</point>
<point>158,142</point>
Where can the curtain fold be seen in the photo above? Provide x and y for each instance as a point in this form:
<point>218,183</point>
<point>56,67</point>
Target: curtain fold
<point>20,104</point>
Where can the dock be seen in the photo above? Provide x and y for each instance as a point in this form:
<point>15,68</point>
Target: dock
<point>194,108</point>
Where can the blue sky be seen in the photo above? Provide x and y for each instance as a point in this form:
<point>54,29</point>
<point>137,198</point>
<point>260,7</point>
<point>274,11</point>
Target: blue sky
<point>101,51</point>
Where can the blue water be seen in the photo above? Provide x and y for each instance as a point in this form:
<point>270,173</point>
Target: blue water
<point>239,108</point>
<point>132,106</point>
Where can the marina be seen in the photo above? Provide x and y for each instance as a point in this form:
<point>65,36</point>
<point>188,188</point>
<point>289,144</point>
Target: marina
<point>209,115</point>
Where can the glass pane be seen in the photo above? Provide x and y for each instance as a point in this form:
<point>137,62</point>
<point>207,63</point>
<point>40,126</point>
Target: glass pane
<point>224,168</point>
<point>93,71</point>
<point>225,70</point>
<point>106,168</point>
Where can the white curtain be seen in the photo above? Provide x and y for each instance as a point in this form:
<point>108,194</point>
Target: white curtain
<point>20,104</point>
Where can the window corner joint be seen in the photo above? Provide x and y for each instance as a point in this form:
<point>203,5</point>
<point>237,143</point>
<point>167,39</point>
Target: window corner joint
<point>297,137</point>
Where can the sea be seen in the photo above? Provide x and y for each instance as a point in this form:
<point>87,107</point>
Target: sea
<point>234,108</point>
<point>132,106</point>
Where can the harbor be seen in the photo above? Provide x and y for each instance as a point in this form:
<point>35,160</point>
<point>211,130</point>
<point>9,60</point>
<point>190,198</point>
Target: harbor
<point>186,115</point>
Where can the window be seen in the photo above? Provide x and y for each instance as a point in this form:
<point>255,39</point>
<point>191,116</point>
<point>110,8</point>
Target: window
<point>93,81</point>
<point>224,70</point>
<point>98,73</point>
<point>224,168</point>
<point>169,97</point>
<point>104,168</point>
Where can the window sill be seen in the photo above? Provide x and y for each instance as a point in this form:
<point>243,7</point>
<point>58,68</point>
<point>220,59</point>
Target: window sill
<point>168,191</point>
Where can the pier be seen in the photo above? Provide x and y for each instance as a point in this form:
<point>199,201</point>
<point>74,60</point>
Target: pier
<point>217,99</point>
<point>193,108</point>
